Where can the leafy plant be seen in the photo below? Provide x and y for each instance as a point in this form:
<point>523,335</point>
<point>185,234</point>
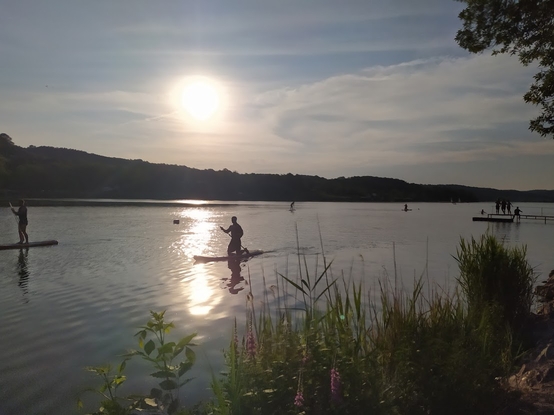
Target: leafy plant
<point>111,404</point>
<point>154,348</point>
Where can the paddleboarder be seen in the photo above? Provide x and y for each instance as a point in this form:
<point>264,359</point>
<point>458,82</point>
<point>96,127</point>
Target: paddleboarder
<point>21,213</point>
<point>236,233</point>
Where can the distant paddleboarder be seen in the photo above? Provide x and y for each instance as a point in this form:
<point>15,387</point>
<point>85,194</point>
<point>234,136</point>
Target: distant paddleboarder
<point>236,234</point>
<point>21,213</point>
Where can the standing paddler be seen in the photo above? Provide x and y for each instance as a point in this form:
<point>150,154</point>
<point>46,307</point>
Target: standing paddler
<point>236,233</point>
<point>21,213</point>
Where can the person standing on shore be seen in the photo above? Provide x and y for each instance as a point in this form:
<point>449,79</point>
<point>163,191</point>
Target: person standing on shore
<point>21,213</point>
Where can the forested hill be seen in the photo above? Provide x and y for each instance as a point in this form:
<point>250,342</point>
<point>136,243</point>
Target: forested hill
<point>48,172</point>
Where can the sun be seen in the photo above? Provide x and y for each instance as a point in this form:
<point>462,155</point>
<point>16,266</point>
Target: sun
<point>201,99</point>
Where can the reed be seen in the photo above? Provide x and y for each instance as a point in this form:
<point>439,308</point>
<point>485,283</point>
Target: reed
<point>492,276</point>
<point>316,344</point>
<point>337,351</point>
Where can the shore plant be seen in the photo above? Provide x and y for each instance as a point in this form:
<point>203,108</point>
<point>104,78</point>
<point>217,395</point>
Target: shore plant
<point>493,277</point>
<point>404,353</point>
<point>161,354</point>
<point>316,344</point>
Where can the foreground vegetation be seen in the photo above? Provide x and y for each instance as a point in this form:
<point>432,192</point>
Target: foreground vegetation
<point>327,348</point>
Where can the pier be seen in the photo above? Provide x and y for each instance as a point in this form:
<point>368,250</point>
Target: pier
<point>492,217</point>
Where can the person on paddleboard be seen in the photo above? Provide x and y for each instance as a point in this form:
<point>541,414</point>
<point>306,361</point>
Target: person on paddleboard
<point>21,213</point>
<point>236,233</point>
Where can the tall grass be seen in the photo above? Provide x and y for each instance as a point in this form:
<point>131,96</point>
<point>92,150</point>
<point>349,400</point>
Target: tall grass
<point>404,354</point>
<point>330,347</point>
<point>493,276</point>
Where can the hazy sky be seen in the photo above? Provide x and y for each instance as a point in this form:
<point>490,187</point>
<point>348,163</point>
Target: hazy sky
<point>321,87</point>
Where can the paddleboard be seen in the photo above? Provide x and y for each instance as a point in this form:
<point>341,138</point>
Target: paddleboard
<point>29,245</point>
<point>250,254</point>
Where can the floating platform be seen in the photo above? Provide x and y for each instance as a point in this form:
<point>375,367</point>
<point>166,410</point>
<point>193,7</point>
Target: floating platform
<point>491,217</point>
<point>29,245</point>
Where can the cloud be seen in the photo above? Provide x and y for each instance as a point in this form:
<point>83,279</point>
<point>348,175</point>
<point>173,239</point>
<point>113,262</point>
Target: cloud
<point>401,112</point>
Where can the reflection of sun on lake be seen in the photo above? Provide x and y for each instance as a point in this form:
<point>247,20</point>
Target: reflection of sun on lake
<point>198,238</point>
<point>198,233</point>
<point>201,297</point>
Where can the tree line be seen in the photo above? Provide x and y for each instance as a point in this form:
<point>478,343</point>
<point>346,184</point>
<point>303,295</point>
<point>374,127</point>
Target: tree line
<point>49,172</point>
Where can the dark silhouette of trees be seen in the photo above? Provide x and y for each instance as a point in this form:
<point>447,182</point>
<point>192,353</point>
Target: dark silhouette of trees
<point>48,172</point>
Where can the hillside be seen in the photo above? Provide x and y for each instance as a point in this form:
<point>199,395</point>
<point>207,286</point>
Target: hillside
<point>49,172</point>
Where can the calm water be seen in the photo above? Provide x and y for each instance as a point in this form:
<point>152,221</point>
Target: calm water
<point>79,303</point>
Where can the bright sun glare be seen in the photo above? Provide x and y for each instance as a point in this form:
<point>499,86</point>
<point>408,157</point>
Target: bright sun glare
<point>200,99</point>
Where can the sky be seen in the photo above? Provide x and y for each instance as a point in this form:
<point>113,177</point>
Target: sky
<point>333,88</point>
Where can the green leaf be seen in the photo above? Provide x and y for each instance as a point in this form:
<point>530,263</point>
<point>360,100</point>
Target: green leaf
<point>191,356</point>
<point>166,348</point>
<point>184,367</point>
<point>149,347</point>
<point>177,350</point>
<point>141,334</point>
<point>156,393</point>
<point>118,380</point>
<point>168,384</point>
<point>121,367</point>
<point>186,340</point>
<point>295,285</point>
<point>163,374</point>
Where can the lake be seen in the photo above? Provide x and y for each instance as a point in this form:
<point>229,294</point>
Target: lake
<point>79,303</point>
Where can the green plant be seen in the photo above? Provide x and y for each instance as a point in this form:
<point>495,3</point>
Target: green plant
<point>334,350</point>
<point>153,348</point>
<point>495,276</point>
<point>111,404</point>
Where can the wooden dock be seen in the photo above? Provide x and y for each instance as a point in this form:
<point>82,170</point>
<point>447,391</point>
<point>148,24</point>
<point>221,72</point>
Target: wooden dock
<point>491,217</point>
<point>537,217</point>
<point>494,218</point>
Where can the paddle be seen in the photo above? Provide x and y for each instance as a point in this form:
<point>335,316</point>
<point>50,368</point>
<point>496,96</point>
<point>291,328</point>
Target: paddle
<point>16,221</point>
<point>243,248</point>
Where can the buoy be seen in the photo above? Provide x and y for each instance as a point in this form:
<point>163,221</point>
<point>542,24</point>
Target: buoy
<point>176,221</point>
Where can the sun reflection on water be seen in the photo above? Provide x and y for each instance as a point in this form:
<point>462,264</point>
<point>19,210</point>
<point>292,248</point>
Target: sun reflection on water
<point>201,296</point>
<point>198,238</point>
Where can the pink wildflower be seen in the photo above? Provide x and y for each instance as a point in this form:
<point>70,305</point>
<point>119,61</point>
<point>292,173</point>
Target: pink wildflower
<point>236,337</point>
<point>335,385</point>
<point>299,399</point>
<point>250,343</point>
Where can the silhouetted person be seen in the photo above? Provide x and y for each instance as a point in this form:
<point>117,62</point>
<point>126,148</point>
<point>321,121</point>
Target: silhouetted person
<point>503,207</point>
<point>509,207</point>
<point>236,233</point>
<point>497,205</point>
<point>292,206</point>
<point>405,207</point>
<point>21,213</point>
<point>517,211</point>
<point>483,211</point>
